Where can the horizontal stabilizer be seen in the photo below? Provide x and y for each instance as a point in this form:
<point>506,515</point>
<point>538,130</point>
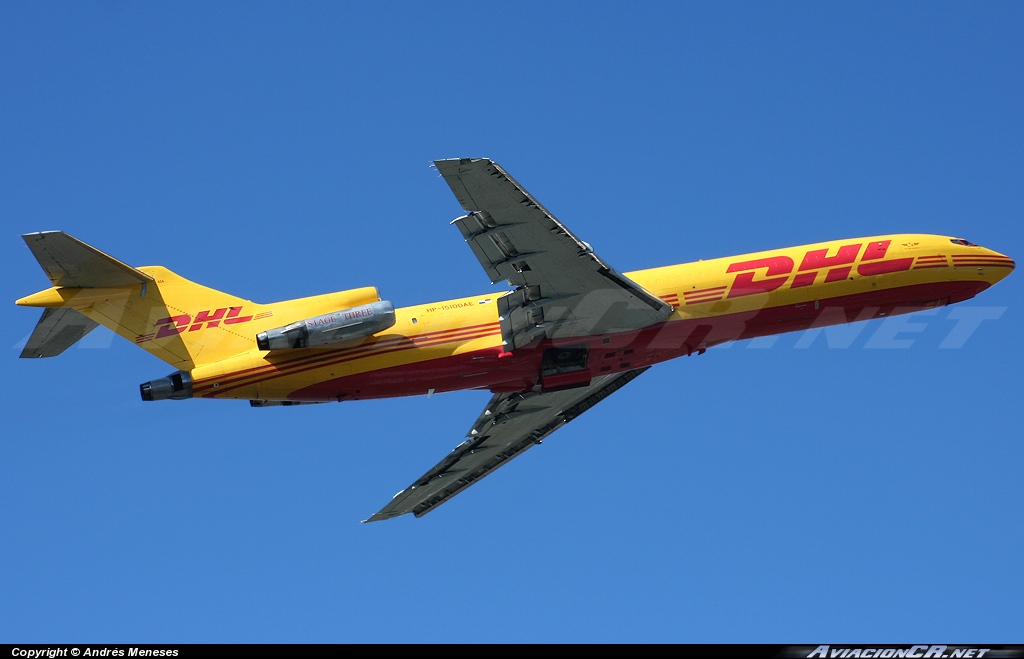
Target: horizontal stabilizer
<point>69,262</point>
<point>56,331</point>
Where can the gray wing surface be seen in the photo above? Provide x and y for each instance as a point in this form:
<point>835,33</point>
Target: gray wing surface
<point>563,289</point>
<point>56,331</point>
<point>510,424</point>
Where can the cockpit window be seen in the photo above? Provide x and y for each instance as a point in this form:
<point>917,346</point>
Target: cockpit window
<point>961,241</point>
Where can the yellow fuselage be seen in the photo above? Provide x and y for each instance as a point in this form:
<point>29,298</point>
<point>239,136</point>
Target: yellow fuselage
<point>454,344</point>
<point>457,344</point>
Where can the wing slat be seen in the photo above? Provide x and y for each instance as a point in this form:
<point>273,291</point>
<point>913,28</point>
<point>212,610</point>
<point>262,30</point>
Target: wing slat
<point>515,238</point>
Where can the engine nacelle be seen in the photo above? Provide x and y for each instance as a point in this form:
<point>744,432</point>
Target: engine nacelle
<point>176,386</point>
<point>330,329</point>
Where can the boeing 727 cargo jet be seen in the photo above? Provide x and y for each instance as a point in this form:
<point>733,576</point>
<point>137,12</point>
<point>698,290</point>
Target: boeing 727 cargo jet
<point>571,332</point>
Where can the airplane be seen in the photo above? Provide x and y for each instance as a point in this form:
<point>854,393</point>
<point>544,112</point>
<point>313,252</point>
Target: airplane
<point>571,331</point>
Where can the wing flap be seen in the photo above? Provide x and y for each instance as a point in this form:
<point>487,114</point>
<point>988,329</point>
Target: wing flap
<point>509,425</point>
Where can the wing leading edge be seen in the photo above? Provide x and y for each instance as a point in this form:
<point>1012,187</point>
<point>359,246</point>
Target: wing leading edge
<point>510,424</point>
<point>563,289</point>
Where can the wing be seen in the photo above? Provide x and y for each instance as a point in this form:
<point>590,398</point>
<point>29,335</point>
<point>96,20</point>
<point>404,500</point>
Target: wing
<point>563,289</point>
<point>510,424</point>
<point>56,331</point>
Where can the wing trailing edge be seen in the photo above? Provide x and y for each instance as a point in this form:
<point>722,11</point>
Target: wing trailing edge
<point>508,426</point>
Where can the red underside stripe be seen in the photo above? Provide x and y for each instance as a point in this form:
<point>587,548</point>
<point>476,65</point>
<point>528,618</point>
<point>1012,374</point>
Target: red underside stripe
<point>333,362</point>
<point>357,352</point>
<point>319,359</point>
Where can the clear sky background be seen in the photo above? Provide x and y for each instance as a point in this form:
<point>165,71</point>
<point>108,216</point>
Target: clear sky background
<point>762,492</point>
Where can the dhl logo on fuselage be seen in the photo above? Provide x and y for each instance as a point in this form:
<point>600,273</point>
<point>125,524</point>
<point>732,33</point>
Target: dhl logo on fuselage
<point>837,267</point>
<point>173,325</point>
<point>771,273</point>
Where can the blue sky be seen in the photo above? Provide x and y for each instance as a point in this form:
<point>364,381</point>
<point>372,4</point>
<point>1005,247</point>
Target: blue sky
<point>762,492</point>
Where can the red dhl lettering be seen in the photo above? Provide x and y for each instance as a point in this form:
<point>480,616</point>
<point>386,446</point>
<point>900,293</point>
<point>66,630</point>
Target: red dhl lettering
<point>212,318</point>
<point>875,251</point>
<point>771,273</point>
<point>234,318</point>
<point>818,259</point>
<point>745,284</point>
<point>173,325</point>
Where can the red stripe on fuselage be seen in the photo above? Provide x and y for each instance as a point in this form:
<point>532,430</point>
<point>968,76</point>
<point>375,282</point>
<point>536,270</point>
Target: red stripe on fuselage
<point>655,344</point>
<point>983,264</point>
<point>288,363</point>
<point>336,357</point>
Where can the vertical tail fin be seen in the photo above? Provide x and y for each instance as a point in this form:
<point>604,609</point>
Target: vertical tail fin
<point>181,322</point>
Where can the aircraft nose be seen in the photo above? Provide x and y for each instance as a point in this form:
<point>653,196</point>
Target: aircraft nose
<point>1000,260</point>
<point>984,258</point>
<point>984,265</point>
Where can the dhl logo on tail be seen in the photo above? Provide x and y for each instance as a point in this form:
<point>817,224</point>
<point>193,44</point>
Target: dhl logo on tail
<point>174,325</point>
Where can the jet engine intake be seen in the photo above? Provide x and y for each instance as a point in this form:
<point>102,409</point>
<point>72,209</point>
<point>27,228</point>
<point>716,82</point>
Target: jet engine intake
<point>330,329</point>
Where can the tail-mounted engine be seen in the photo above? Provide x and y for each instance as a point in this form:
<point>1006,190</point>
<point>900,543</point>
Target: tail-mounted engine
<point>176,386</point>
<point>330,329</point>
